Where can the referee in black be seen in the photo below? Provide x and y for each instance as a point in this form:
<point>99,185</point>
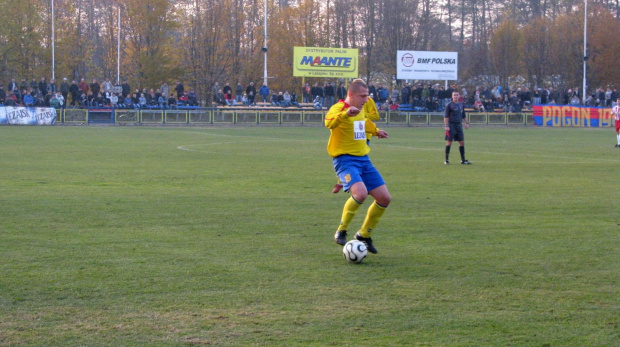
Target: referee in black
<point>453,118</point>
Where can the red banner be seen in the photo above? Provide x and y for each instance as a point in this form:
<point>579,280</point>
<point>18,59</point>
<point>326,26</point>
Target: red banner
<point>572,116</point>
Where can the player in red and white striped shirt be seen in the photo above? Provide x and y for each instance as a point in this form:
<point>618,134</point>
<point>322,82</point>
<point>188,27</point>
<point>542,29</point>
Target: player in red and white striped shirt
<point>616,111</point>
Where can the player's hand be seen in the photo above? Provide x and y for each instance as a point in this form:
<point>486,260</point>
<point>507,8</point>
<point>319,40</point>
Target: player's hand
<point>382,134</point>
<point>353,111</point>
<point>466,125</point>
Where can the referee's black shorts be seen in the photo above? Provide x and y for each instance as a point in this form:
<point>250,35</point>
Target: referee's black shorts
<point>455,133</point>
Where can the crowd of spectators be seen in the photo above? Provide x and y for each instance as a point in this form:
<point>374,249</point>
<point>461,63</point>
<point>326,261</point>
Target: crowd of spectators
<point>249,96</point>
<point>434,98</point>
<point>417,97</point>
<point>94,94</point>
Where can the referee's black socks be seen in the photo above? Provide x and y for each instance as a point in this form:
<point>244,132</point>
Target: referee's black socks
<point>447,152</point>
<point>462,150</point>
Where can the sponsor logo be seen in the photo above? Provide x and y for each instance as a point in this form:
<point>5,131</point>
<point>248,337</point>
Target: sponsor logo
<point>344,62</point>
<point>436,61</point>
<point>407,60</point>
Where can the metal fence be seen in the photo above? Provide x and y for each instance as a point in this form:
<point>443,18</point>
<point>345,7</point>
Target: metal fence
<point>266,116</point>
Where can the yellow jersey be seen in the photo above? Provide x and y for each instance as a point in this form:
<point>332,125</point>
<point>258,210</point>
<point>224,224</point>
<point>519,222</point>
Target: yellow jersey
<point>348,135</point>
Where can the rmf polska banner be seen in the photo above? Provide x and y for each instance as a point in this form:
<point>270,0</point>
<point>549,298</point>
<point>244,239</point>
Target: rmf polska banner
<point>420,65</point>
<point>28,115</point>
<point>325,62</point>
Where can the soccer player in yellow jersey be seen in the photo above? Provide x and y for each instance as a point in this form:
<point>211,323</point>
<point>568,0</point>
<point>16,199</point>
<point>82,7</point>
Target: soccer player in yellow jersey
<point>349,127</point>
<point>371,112</point>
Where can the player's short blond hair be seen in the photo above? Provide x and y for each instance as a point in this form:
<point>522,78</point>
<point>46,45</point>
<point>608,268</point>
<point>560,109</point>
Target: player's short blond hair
<point>356,85</point>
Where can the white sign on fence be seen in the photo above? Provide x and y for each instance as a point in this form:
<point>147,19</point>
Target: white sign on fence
<point>28,115</point>
<point>419,65</point>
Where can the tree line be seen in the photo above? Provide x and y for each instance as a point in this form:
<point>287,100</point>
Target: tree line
<point>534,43</point>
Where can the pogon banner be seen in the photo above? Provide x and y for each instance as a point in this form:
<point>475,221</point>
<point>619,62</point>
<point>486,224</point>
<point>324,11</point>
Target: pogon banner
<point>572,116</point>
<point>325,62</point>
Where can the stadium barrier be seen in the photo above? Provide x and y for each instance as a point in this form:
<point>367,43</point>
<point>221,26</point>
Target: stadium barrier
<point>293,116</point>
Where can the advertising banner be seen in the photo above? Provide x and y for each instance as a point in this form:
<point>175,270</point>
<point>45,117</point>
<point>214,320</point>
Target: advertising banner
<point>27,115</point>
<point>421,65</point>
<point>572,116</point>
<point>325,62</point>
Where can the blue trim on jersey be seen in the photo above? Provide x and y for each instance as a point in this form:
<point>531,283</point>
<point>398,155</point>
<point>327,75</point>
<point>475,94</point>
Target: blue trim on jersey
<point>352,169</point>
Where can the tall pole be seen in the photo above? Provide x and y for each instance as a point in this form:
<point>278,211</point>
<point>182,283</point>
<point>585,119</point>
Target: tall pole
<point>53,48</point>
<point>585,52</point>
<point>265,46</point>
<point>118,48</point>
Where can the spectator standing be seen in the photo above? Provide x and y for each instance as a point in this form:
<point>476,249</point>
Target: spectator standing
<point>43,87</point>
<point>52,87</point>
<point>75,92</point>
<point>395,95</point>
<point>12,86</point>
<point>95,88</point>
<point>227,89</point>
<point>125,89</point>
<point>330,93</point>
<point>264,92</point>
<point>64,88</point>
<point>306,93</point>
<point>405,93</point>
<point>250,90</point>
<point>83,86</point>
<point>23,85</point>
<point>180,89</point>
<point>106,86</point>
<point>238,93</point>
<point>34,84</point>
<point>341,92</point>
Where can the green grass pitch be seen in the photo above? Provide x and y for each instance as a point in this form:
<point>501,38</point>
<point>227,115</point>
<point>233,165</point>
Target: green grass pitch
<point>174,236</point>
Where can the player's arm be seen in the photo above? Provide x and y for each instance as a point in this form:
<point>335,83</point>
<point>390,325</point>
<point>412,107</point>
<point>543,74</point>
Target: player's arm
<point>446,117</point>
<point>371,129</point>
<point>336,114</point>
<point>465,119</point>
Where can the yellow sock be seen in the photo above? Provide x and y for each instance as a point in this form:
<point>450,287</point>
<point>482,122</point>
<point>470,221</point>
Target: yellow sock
<point>373,216</point>
<point>349,211</point>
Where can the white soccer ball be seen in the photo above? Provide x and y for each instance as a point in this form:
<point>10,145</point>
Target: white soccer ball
<point>354,251</point>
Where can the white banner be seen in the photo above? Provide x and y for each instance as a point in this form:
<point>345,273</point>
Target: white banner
<point>28,115</point>
<point>417,65</point>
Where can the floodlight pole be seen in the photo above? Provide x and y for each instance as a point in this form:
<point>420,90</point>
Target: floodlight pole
<point>585,52</point>
<point>53,48</point>
<point>118,48</point>
<point>265,46</point>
